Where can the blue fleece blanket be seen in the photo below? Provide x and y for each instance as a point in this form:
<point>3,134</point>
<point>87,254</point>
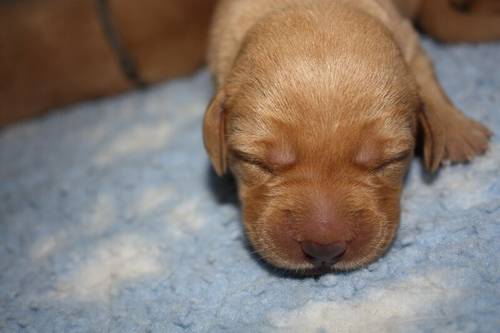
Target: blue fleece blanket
<point>111,221</point>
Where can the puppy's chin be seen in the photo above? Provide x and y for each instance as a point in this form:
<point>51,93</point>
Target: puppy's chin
<point>277,240</point>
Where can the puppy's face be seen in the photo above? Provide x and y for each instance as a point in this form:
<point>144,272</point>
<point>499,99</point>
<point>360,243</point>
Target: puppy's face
<point>317,197</point>
<point>319,150</point>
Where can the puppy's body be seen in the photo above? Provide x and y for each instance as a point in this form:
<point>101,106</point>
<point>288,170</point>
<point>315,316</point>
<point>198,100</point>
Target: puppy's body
<point>55,52</point>
<point>316,115</point>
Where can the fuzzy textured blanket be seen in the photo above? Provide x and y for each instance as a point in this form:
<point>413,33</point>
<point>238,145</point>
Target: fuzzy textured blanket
<point>111,221</point>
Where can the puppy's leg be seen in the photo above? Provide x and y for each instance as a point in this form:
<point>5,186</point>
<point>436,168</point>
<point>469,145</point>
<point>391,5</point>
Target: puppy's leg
<point>448,133</point>
<point>445,21</point>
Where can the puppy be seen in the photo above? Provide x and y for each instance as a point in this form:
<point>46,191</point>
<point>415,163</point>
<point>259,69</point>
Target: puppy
<point>57,52</point>
<point>316,114</point>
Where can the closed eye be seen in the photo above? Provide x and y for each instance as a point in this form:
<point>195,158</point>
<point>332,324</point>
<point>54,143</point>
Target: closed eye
<point>251,159</point>
<point>393,160</point>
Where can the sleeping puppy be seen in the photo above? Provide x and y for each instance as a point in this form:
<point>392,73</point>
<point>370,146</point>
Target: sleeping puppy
<point>316,114</point>
<point>57,52</point>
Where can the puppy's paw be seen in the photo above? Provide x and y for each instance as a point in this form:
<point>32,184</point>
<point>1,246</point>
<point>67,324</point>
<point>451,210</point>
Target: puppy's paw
<point>465,138</point>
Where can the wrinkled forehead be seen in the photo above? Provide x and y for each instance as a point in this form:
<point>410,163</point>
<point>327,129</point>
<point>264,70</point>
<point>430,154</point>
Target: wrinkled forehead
<point>292,122</point>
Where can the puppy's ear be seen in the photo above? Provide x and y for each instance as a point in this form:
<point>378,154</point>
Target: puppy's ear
<point>433,138</point>
<point>214,135</point>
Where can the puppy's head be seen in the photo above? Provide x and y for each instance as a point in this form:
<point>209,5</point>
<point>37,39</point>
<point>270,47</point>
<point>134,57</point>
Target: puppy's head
<point>319,143</point>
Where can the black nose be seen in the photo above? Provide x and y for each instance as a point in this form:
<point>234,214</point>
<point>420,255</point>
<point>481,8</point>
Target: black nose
<point>323,253</point>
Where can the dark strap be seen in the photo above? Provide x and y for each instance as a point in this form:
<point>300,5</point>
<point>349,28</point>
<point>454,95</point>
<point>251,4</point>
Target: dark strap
<point>127,64</point>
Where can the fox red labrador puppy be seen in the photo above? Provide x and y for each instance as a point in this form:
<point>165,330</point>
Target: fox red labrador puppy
<point>317,109</point>
<point>57,52</point>
<point>316,113</point>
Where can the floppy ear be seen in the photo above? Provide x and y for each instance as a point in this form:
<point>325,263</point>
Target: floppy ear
<point>214,135</point>
<point>433,138</point>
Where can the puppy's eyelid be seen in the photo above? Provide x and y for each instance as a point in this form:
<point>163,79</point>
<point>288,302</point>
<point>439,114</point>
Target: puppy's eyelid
<point>400,156</point>
<point>393,159</point>
<point>250,159</point>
